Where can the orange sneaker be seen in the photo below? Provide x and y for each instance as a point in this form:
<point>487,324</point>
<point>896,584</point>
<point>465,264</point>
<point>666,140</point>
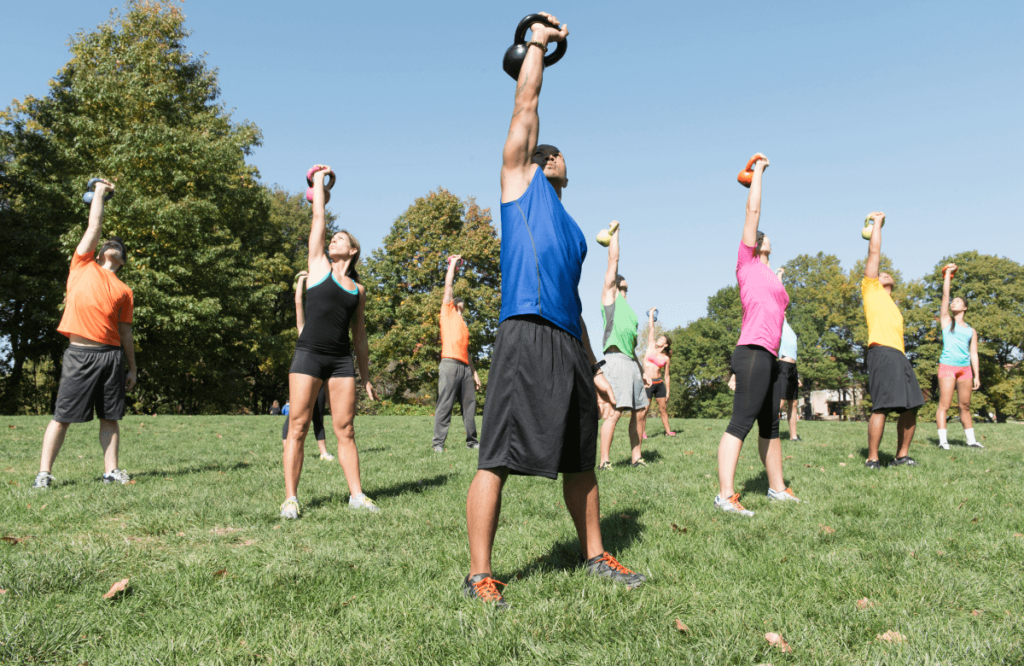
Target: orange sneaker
<point>732,505</point>
<point>485,588</point>
<point>607,566</point>
<point>784,496</point>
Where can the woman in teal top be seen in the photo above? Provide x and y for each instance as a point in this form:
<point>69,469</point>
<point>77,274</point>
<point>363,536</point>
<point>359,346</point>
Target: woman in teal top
<point>958,365</point>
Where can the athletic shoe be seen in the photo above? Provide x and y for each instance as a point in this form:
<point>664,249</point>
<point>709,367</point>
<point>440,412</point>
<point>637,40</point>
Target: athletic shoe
<point>363,502</point>
<point>783,496</point>
<point>473,445</point>
<point>326,456</point>
<point>872,464</point>
<point>975,445</point>
<point>290,508</point>
<point>607,464</point>
<point>639,463</point>
<point>944,446</point>
<point>43,480</point>
<point>795,439</point>
<point>607,566</point>
<point>484,588</point>
<point>905,460</point>
<point>438,448</point>
<point>117,476</point>
<point>671,433</point>
<point>732,505</point>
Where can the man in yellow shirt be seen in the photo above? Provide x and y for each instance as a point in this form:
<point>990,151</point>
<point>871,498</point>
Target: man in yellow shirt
<point>457,378</point>
<point>891,379</point>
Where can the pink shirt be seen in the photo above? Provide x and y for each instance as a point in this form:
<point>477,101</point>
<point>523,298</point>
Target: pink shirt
<point>764,302</point>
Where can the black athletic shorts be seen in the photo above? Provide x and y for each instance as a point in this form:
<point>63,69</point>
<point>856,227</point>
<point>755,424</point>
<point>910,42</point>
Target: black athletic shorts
<point>756,397</point>
<point>657,390</point>
<point>891,381</point>
<point>540,416</point>
<point>322,366</point>
<point>318,418</point>
<point>789,387</point>
<point>90,378</point>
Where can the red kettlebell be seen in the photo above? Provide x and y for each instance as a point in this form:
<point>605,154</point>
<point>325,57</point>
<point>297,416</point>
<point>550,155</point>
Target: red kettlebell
<point>746,176</point>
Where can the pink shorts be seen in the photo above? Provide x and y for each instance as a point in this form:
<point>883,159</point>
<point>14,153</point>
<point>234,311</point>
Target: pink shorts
<point>955,371</point>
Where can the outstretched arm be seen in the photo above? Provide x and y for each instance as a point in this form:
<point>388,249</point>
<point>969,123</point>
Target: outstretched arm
<point>318,263</point>
<point>94,231</point>
<point>517,157</point>
<point>611,274</point>
<point>651,340</point>
<point>300,315</point>
<point>449,278</point>
<point>874,247</point>
<point>360,341</point>
<point>947,277</point>
<point>754,205</point>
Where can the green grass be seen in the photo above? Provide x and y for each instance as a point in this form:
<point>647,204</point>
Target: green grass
<point>927,546</point>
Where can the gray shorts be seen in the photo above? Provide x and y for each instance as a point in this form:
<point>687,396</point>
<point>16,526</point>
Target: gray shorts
<point>91,378</point>
<point>623,374</point>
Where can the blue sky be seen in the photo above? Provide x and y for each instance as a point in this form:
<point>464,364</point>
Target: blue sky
<point>913,108</point>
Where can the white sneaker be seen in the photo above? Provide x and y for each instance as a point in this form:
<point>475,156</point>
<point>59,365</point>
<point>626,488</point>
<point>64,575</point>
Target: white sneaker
<point>290,508</point>
<point>117,476</point>
<point>363,502</point>
<point>975,445</point>
<point>326,456</point>
<point>944,446</point>
<point>783,496</point>
<point>732,505</point>
<point>43,480</point>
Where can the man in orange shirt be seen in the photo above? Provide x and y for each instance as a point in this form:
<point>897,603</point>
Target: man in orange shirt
<point>98,321</point>
<point>457,377</point>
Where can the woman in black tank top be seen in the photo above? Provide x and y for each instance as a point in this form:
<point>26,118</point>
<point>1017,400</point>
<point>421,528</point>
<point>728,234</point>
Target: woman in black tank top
<point>335,305</point>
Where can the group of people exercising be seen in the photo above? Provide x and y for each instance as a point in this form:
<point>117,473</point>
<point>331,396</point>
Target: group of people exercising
<point>546,390</point>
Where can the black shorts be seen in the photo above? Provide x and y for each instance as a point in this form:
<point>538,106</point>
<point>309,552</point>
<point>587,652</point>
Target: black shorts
<point>540,416</point>
<point>90,378</point>
<point>756,397</point>
<point>657,390</point>
<point>789,387</point>
<point>321,366</point>
<point>318,418</point>
<point>891,381</point>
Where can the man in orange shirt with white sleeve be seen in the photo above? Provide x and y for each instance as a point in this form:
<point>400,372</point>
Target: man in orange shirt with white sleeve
<point>98,322</point>
<point>457,377</point>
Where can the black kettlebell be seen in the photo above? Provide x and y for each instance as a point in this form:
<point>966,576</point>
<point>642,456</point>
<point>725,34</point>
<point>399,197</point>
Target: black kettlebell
<point>516,53</point>
<point>90,191</point>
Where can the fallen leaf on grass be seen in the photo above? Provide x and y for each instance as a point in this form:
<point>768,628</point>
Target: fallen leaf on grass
<point>676,528</point>
<point>974,520</point>
<point>788,457</point>
<point>181,534</point>
<point>221,573</point>
<point>808,465</point>
<point>826,529</point>
<point>247,542</point>
<point>689,453</point>
<point>850,456</point>
<point>1018,534</point>
<point>346,603</point>
<point>132,482</point>
<point>224,530</point>
<point>219,436</point>
<point>842,464</point>
<point>119,586</point>
<point>12,426</point>
<point>976,613</point>
<point>681,628</point>
<point>625,515</point>
<point>5,592</point>
<point>12,540</point>
<point>891,637</point>
<point>865,603</point>
<point>777,640</point>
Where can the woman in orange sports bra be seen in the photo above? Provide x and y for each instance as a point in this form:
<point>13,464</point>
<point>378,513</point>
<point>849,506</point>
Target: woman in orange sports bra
<point>659,353</point>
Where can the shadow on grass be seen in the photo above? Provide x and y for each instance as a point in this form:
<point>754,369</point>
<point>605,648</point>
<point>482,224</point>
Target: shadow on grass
<point>650,455</point>
<point>759,484</point>
<point>883,458</point>
<point>388,491</point>
<point>618,532</point>
<point>196,469</point>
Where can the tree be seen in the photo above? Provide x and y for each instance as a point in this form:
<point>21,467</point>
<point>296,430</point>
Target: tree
<point>405,286</point>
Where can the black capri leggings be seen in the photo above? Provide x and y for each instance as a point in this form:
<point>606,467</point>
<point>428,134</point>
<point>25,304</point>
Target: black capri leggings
<point>757,396</point>
<point>318,418</point>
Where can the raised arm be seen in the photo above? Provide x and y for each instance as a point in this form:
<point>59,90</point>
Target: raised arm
<point>318,263</point>
<point>94,230</point>
<point>874,247</point>
<point>449,278</point>
<point>360,341</point>
<point>651,340</point>
<point>754,205</point>
<point>517,156</point>
<point>300,314</point>
<point>947,277</point>
<point>611,274</point>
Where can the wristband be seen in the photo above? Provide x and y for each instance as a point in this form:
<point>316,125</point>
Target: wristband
<point>543,48</point>
<point>597,366</point>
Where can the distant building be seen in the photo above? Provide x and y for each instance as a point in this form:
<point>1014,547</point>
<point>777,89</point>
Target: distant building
<point>831,405</point>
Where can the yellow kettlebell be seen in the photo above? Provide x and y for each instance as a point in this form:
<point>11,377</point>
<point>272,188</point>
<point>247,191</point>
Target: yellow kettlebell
<point>869,226</point>
<point>604,237</point>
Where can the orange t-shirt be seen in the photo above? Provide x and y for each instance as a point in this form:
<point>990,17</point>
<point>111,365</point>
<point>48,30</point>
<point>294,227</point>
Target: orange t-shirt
<point>454,334</point>
<point>96,302</point>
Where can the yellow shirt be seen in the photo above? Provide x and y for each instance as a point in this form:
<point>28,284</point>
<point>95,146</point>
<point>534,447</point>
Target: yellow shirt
<point>885,321</point>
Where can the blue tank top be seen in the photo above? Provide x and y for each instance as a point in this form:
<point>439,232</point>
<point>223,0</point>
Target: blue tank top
<point>956,345</point>
<point>542,253</point>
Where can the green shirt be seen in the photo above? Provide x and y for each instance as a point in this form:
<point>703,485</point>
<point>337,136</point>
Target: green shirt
<point>620,326</point>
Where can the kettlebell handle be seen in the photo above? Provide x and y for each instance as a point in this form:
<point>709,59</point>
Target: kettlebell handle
<point>516,53</point>
<point>90,191</point>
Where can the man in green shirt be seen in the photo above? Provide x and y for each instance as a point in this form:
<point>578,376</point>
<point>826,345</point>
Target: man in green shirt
<point>621,368</point>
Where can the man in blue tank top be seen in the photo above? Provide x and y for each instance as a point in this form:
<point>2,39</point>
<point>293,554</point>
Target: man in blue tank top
<point>540,415</point>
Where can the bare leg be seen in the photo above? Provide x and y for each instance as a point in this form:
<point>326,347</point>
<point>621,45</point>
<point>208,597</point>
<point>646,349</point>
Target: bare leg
<point>946,386</point>
<point>663,410</point>
<point>905,432</point>
<point>483,506</point>
<point>607,433</point>
<point>110,439</point>
<point>322,443</point>
<point>964,388</point>
<point>302,391</point>
<point>635,419</point>
<point>876,428</point>
<point>343,414</point>
<point>792,419</point>
<point>53,439</point>
<point>583,502</point>
<point>770,451</point>
<point>728,456</point>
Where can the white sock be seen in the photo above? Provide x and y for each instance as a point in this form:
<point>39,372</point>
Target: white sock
<point>942,436</point>
<point>969,432</point>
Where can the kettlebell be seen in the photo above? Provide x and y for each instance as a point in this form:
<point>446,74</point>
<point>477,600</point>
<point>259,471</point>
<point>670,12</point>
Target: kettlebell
<point>309,195</point>
<point>869,226</point>
<point>328,184</point>
<point>90,191</point>
<point>655,313</point>
<point>516,54</point>
<point>604,237</point>
<point>746,176</point>
<point>448,262</point>
<point>952,273</point>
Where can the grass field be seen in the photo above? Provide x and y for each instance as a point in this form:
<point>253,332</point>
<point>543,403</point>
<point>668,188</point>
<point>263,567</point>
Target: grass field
<point>216,577</point>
